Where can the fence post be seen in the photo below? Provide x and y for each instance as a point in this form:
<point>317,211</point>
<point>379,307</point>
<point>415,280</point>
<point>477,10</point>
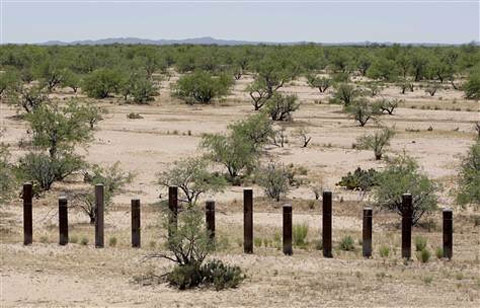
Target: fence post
<point>63,220</point>
<point>27,214</point>
<point>327,224</point>
<point>210,220</point>
<point>248,220</point>
<point>367,232</point>
<point>136,240</point>
<point>407,225</point>
<point>287,230</point>
<point>173,208</point>
<point>447,233</point>
<point>99,209</point>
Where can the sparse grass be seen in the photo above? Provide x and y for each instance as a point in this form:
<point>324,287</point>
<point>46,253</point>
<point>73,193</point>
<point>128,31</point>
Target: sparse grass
<point>300,233</point>
<point>384,251</point>
<point>439,252</point>
<point>112,242</point>
<point>73,239</point>
<point>347,244</point>
<point>84,241</point>
<point>420,243</point>
<point>424,255</point>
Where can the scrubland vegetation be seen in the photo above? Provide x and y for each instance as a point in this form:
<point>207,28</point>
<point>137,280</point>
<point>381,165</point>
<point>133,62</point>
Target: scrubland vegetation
<point>368,122</point>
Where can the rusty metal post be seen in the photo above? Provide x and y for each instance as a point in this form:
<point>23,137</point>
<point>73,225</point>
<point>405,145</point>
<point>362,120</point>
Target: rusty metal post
<point>99,209</point>
<point>447,233</point>
<point>367,232</point>
<point>248,220</point>
<point>173,208</point>
<point>210,220</point>
<point>287,230</point>
<point>327,224</point>
<point>407,225</point>
<point>27,214</point>
<point>63,220</point>
<point>136,240</point>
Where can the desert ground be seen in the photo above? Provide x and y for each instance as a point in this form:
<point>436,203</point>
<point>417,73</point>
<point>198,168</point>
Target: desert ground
<point>437,131</point>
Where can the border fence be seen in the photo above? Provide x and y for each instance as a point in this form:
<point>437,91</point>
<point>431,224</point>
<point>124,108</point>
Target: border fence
<point>367,230</point>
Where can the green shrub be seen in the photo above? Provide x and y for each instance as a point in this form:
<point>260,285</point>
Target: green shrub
<point>347,243</point>
<point>201,87</point>
<point>102,82</point>
<point>402,175</point>
<point>185,276</point>
<point>73,239</point>
<point>222,276</point>
<point>42,170</point>
<point>300,233</point>
<point>384,251</point>
<point>361,179</point>
<point>376,142</point>
<point>280,107</point>
<point>420,243</point>
<point>274,180</point>
<point>424,255</point>
<point>257,242</point>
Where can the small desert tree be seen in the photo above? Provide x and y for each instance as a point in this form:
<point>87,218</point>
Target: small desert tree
<point>280,107</point>
<point>361,110</point>
<point>237,153</point>
<point>102,82</point>
<point>140,88</point>
<point>189,243</point>
<point>27,98</point>
<point>387,105</point>
<point>321,83</point>
<point>472,87</point>
<point>469,177</point>
<point>376,142</point>
<point>257,129</point>
<point>274,179</point>
<point>202,87</point>
<point>303,134</point>
<point>402,175</point>
<point>58,128</point>
<point>240,148</point>
<point>345,93</point>
<point>193,178</point>
<point>259,93</point>
<point>43,170</point>
<point>113,178</point>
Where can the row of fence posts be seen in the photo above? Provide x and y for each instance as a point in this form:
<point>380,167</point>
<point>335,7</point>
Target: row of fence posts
<point>367,229</point>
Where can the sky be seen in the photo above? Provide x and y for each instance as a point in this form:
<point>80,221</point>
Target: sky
<point>418,21</point>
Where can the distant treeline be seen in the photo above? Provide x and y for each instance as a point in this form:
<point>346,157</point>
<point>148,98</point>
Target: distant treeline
<point>387,63</point>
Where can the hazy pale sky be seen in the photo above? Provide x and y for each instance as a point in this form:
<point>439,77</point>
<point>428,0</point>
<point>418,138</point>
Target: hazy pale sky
<point>446,21</point>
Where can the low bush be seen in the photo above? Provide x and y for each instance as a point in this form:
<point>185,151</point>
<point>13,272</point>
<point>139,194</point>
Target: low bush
<point>220,275</point>
<point>360,179</point>
<point>424,255</point>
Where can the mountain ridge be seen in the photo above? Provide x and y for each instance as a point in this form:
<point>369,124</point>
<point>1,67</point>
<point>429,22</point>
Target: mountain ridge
<point>208,40</point>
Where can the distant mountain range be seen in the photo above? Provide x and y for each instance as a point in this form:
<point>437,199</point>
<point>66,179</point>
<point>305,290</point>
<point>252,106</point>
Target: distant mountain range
<point>213,41</point>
